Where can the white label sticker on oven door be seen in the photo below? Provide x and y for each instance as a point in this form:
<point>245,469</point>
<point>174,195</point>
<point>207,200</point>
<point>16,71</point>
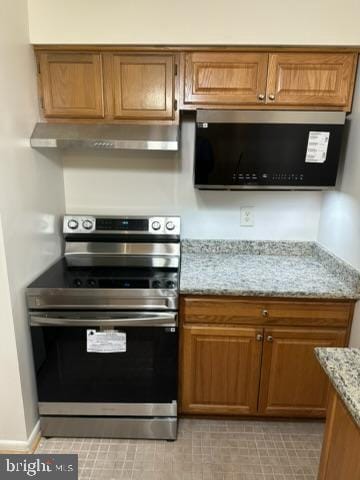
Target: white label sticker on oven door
<point>317,147</point>
<point>109,341</point>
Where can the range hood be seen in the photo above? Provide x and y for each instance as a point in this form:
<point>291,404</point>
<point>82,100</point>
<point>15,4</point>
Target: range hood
<point>110,137</point>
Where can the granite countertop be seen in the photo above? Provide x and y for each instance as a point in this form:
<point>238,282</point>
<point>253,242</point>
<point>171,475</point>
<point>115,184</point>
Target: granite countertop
<point>342,365</point>
<point>260,268</point>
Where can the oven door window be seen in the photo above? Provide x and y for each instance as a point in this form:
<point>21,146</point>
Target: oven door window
<point>66,372</point>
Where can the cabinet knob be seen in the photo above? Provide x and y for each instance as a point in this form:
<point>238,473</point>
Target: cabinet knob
<point>259,337</point>
<point>269,338</point>
<point>261,96</point>
<point>265,313</point>
<point>271,96</point>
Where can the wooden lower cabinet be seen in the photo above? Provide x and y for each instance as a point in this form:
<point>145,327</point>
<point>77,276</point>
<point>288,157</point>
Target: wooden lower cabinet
<point>220,369</point>
<point>229,366</point>
<point>292,381</point>
<point>341,447</point>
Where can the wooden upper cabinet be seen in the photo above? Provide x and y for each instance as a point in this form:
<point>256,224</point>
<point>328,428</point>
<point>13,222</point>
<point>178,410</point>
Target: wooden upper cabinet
<point>220,369</point>
<point>139,86</point>
<point>292,381</point>
<point>71,85</point>
<point>311,79</point>
<point>225,78</point>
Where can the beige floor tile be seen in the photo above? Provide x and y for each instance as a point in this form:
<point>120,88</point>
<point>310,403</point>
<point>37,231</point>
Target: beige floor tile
<point>205,450</point>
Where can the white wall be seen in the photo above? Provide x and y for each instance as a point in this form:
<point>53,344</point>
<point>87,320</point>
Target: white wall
<point>339,228</point>
<point>31,200</point>
<point>305,22</point>
<point>161,182</point>
<point>12,421</point>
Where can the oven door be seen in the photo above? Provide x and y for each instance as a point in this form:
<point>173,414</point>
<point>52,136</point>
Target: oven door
<point>135,377</point>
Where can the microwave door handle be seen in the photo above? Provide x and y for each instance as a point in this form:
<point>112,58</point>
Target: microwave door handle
<point>140,320</point>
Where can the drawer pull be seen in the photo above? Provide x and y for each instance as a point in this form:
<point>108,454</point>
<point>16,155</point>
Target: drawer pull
<point>259,337</point>
<point>269,338</point>
<point>265,313</point>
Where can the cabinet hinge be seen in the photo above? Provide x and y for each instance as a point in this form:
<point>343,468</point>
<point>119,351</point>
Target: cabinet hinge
<point>38,68</point>
<point>175,105</point>
<point>41,102</point>
<point>175,69</point>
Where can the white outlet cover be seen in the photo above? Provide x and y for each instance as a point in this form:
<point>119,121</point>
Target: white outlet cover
<point>247,216</point>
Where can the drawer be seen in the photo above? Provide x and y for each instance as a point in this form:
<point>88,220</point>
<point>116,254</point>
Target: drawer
<point>226,310</point>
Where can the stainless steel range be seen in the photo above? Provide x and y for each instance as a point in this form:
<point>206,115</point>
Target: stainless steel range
<point>105,331</point>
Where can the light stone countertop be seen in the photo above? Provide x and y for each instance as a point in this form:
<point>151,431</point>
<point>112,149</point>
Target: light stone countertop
<point>342,365</point>
<point>279,269</point>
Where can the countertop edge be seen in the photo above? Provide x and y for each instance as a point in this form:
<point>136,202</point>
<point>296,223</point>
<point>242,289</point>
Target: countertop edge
<point>353,411</point>
<point>256,293</point>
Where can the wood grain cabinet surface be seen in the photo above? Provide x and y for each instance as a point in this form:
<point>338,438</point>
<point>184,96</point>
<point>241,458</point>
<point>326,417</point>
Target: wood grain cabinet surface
<point>311,79</point>
<point>114,84</point>
<point>220,370</point>
<point>107,86</point>
<point>341,446</point>
<point>291,80</point>
<point>139,86</point>
<point>225,78</point>
<point>292,381</point>
<point>71,85</point>
<point>248,356</point>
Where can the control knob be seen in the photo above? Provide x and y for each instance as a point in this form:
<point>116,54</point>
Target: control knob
<point>77,282</point>
<point>156,225</point>
<point>170,225</point>
<point>87,224</point>
<point>73,224</point>
<point>170,284</point>
<point>91,283</point>
<point>156,284</point>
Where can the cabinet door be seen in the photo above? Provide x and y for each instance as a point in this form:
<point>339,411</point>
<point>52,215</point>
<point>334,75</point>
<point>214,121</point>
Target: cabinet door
<point>72,85</point>
<point>220,369</point>
<point>225,78</point>
<point>292,381</point>
<point>313,79</point>
<point>341,445</point>
<point>140,86</point>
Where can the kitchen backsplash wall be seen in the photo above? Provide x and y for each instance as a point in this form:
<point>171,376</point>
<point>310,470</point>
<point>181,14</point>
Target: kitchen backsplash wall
<point>161,182</point>
<point>339,228</point>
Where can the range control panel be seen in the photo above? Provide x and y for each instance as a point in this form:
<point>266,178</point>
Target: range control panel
<point>277,178</point>
<point>89,224</point>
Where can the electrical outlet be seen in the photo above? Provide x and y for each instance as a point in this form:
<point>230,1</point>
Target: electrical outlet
<point>247,216</point>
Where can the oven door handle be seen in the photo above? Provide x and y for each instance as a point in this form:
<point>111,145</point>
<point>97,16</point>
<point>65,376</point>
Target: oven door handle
<point>138,320</point>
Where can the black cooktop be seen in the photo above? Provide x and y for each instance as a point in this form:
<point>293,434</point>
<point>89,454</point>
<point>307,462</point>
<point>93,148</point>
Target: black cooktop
<point>61,275</point>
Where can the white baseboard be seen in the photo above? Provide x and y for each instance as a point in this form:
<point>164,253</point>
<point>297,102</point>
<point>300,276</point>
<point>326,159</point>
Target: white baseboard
<point>27,446</point>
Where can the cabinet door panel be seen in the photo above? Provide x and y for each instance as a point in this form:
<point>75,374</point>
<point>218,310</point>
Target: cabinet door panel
<point>314,79</point>
<point>341,445</point>
<point>292,381</point>
<point>140,86</point>
<point>72,85</point>
<point>225,78</point>
<point>220,370</point>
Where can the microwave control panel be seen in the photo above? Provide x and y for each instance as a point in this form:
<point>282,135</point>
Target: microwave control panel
<point>268,178</point>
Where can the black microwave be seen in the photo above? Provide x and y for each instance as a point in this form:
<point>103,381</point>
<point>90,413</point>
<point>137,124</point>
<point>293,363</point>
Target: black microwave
<point>261,150</point>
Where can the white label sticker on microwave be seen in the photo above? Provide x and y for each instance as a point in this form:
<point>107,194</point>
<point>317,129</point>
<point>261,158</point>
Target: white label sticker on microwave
<point>109,341</point>
<point>317,147</point>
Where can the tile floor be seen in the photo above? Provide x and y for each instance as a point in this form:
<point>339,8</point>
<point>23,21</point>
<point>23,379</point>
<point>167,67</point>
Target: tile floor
<point>205,450</point>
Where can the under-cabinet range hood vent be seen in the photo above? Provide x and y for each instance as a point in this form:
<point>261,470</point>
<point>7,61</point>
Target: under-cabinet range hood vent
<point>110,137</point>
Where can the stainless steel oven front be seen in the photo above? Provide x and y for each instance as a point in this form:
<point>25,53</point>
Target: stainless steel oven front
<point>104,328</point>
<point>127,393</point>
